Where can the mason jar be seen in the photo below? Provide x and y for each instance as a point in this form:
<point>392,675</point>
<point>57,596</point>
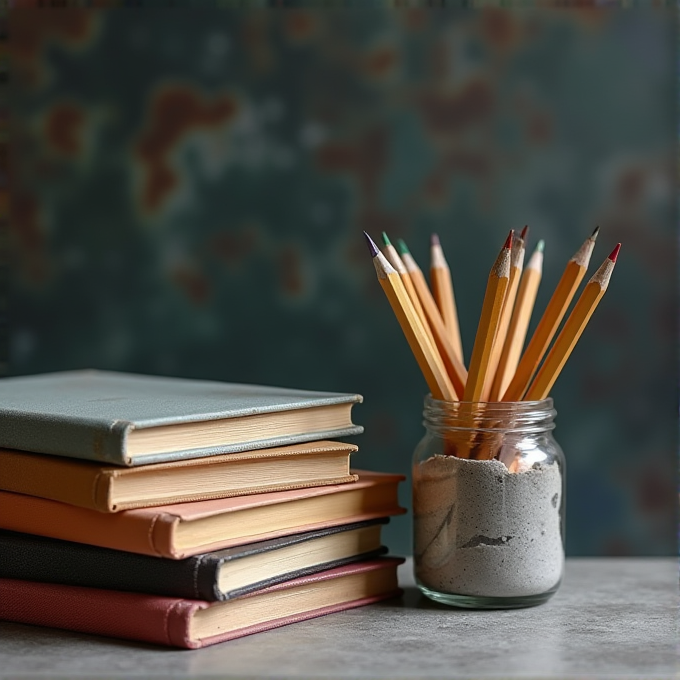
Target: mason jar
<point>488,504</point>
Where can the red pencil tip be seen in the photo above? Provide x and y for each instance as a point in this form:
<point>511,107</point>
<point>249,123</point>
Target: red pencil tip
<point>615,253</point>
<point>434,240</point>
<point>523,235</point>
<point>508,242</point>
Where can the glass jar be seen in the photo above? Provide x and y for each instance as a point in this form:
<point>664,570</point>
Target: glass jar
<point>488,504</point>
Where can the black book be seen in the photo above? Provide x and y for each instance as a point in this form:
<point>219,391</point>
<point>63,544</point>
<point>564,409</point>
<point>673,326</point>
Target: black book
<point>219,575</point>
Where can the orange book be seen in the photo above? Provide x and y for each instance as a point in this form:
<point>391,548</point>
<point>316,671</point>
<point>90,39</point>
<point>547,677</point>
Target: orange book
<point>111,488</point>
<point>185,529</point>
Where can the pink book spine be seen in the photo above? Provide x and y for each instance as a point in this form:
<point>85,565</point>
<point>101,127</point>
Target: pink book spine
<point>161,620</point>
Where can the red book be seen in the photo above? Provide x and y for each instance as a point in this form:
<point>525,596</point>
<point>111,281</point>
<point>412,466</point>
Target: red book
<point>193,623</point>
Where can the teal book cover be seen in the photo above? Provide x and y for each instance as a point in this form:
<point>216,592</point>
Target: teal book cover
<point>128,419</point>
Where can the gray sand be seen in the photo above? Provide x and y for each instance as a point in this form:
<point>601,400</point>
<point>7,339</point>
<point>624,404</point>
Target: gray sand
<point>481,530</point>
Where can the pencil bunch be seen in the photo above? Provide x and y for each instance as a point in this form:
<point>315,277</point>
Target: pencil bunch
<point>500,369</point>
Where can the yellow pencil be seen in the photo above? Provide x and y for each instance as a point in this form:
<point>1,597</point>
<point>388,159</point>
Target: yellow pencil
<point>573,328</point>
<point>516,264</point>
<point>437,379</point>
<point>454,367</point>
<point>489,319</point>
<point>519,323</point>
<point>550,321</point>
<point>442,291</point>
<point>393,258</point>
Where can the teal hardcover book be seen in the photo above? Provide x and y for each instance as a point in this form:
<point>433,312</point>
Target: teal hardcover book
<point>127,419</point>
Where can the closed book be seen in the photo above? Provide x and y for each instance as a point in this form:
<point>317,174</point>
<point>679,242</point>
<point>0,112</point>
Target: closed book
<point>185,529</point>
<point>219,575</point>
<point>126,419</point>
<point>194,623</point>
<point>110,488</point>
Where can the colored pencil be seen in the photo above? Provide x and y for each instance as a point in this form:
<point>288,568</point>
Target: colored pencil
<point>393,258</point>
<point>436,377</point>
<point>442,291</point>
<point>550,321</point>
<point>516,264</point>
<point>455,368</point>
<point>497,285</point>
<point>519,323</point>
<point>573,328</point>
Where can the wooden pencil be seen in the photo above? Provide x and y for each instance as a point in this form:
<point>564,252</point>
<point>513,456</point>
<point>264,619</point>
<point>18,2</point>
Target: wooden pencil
<point>573,328</point>
<point>436,377</point>
<point>516,264</point>
<point>550,321</point>
<point>442,291</point>
<point>519,323</point>
<point>454,367</point>
<point>393,258</point>
<point>489,319</point>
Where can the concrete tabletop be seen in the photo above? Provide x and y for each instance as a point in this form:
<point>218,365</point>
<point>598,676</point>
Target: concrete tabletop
<point>612,618</point>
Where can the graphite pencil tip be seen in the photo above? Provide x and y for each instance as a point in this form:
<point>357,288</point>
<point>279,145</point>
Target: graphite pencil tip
<point>523,235</point>
<point>596,231</point>
<point>508,241</point>
<point>434,240</point>
<point>386,239</point>
<point>540,245</point>
<point>372,248</point>
<point>615,253</point>
<point>403,249</point>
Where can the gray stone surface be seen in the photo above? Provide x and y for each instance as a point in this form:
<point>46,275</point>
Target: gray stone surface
<point>612,618</point>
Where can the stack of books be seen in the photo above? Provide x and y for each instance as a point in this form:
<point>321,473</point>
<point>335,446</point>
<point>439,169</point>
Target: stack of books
<point>184,512</point>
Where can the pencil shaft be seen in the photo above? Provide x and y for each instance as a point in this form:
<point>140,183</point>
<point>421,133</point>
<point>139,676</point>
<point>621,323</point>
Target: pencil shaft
<point>549,323</point>
<point>442,291</point>
<point>565,343</point>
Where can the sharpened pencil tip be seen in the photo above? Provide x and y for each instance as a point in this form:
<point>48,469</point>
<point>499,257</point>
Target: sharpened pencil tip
<point>523,235</point>
<point>508,242</point>
<point>434,240</point>
<point>540,245</point>
<point>372,248</point>
<point>615,253</point>
<point>403,249</point>
<point>386,239</point>
<point>596,231</point>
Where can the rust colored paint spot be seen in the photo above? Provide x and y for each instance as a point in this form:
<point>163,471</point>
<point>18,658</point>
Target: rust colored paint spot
<point>300,26</point>
<point>64,125</point>
<point>450,114</point>
<point>289,265</point>
<point>617,547</point>
<point>414,19</point>
<point>499,28</point>
<point>631,185</point>
<point>174,112</point>
<point>656,491</point>
<point>468,163</point>
<point>539,128</point>
<point>27,236</point>
<point>193,284</point>
<point>381,62</point>
<point>31,31</point>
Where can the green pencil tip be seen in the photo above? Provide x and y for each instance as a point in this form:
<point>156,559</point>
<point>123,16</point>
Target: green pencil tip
<point>403,249</point>
<point>540,245</point>
<point>386,240</point>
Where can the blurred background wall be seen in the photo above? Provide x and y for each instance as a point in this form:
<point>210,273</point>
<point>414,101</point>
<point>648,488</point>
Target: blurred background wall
<point>188,190</point>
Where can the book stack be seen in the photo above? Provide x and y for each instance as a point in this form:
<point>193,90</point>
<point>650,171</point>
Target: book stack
<point>184,512</point>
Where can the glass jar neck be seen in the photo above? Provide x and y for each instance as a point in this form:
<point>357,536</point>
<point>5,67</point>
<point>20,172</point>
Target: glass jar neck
<point>506,417</point>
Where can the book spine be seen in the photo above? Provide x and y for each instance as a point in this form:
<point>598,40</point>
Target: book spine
<point>133,616</point>
<point>72,437</point>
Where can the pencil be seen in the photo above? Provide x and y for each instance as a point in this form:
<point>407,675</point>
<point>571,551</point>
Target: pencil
<point>516,264</point>
<point>519,323</point>
<point>437,380</point>
<point>550,321</point>
<point>393,258</point>
<point>442,291</point>
<point>454,366</point>
<point>573,328</point>
<point>489,319</point>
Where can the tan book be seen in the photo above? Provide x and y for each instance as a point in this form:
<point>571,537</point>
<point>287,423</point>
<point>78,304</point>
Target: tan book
<point>184,529</point>
<point>110,488</point>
